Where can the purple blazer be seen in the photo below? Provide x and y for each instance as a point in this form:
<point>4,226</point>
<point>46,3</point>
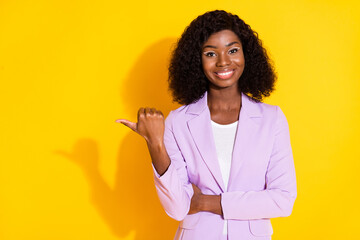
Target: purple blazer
<point>262,182</point>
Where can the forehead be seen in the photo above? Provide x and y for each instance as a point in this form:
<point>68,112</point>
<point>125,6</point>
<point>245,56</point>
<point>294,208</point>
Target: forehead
<point>223,36</point>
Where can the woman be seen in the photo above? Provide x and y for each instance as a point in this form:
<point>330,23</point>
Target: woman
<point>222,162</point>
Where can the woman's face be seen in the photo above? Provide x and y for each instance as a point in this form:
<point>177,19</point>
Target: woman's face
<point>223,59</point>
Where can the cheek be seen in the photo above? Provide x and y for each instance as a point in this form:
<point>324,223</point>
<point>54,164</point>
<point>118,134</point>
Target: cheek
<point>206,64</point>
<point>240,62</point>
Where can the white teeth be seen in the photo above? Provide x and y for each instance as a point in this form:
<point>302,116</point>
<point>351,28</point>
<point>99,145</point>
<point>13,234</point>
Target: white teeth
<point>225,73</point>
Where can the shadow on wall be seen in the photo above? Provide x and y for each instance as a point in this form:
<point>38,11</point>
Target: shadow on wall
<point>146,84</point>
<point>132,207</point>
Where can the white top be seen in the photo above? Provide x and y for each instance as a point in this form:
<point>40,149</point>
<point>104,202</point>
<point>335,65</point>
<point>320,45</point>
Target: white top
<point>224,136</point>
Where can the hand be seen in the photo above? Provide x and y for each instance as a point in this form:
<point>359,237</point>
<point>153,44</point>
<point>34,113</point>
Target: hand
<point>196,200</point>
<point>150,125</point>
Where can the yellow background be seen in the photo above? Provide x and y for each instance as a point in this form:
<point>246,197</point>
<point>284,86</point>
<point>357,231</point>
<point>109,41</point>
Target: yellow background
<point>68,69</point>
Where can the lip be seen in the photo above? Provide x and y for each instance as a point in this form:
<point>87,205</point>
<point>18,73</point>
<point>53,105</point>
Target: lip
<point>225,74</point>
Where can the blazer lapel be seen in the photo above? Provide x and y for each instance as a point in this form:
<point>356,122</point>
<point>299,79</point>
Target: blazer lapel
<point>202,134</point>
<point>245,136</point>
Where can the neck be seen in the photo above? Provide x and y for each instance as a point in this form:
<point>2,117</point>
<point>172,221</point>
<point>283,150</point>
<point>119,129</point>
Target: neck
<point>224,99</point>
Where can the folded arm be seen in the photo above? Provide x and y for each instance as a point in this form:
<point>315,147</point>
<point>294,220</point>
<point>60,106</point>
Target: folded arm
<point>276,200</point>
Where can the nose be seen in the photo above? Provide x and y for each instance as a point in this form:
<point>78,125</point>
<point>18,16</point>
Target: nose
<point>223,60</point>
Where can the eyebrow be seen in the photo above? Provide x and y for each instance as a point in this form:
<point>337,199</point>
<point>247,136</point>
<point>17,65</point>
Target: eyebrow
<point>227,45</point>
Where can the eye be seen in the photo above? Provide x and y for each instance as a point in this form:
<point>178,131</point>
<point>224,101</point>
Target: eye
<point>209,54</point>
<point>234,50</point>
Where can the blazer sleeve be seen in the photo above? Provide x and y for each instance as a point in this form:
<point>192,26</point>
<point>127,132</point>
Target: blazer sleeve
<point>173,187</point>
<point>278,198</point>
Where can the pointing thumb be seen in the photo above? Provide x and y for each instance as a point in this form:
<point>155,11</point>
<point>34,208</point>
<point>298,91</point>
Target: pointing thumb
<point>127,123</point>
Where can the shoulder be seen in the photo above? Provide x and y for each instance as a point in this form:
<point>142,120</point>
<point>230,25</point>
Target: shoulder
<point>270,113</point>
<point>178,114</point>
<point>275,113</point>
<point>266,107</point>
<point>258,109</point>
<point>185,112</point>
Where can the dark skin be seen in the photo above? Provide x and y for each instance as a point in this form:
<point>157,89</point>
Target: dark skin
<point>223,63</point>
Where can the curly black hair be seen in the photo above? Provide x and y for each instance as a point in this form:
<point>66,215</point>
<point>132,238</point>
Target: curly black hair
<point>187,81</point>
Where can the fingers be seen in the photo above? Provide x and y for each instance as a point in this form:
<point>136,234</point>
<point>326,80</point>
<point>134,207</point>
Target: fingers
<point>142,113</point>
<point>127,123</point>
<point>148,112</point>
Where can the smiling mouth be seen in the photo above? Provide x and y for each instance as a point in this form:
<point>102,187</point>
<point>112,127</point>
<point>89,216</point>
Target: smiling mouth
<point>225,74</point>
